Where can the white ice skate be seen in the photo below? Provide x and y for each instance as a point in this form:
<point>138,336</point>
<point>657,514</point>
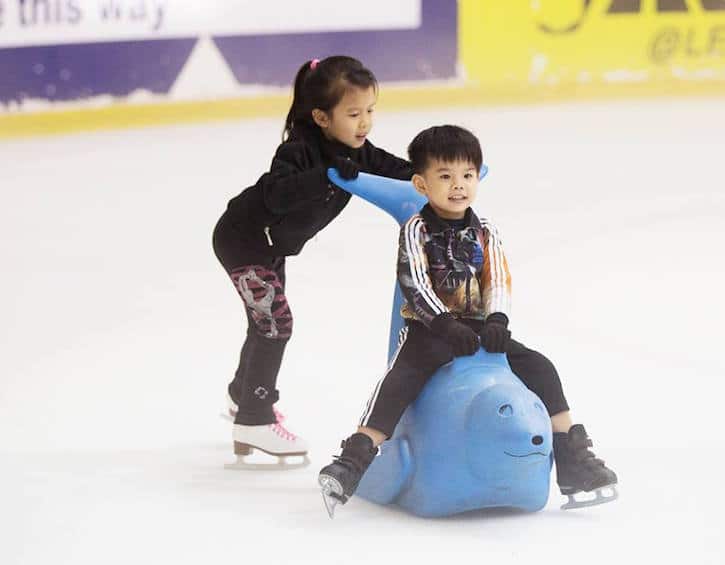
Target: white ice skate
<point>272,439</point>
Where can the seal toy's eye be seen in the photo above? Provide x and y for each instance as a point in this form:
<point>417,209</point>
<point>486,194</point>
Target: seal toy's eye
<point>505,411</point>
<point>539,406</point>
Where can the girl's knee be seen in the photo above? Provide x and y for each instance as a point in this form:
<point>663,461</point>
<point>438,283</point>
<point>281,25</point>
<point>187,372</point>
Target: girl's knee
<point>263,294</point>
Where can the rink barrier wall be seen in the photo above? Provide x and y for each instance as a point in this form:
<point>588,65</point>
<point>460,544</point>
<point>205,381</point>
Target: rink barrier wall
<point>128,65</point>
<point>547,51</point>
<point>122,116</point>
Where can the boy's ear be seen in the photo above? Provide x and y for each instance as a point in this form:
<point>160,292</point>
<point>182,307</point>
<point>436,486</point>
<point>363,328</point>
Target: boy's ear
<point>419,183</point>
<point>320,117</point>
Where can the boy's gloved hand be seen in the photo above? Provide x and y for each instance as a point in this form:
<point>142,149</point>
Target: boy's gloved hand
<point>495,334</point>
<point>347,168</point>
<point>462,339</point>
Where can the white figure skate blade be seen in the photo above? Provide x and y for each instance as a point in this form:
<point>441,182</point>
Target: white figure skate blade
<point>329,486</point>
<point>600,498</point>
<point>282,463</point>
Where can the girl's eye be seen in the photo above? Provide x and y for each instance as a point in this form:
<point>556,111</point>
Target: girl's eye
<point>445,177</point>
<point>354,115</point>
<point>469,175</point>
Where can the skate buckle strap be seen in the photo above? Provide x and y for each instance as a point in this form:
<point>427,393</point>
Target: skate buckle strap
<point>578,445</point>
<point>347,462</point>
<point>580,442</point>
<point>588,458</point>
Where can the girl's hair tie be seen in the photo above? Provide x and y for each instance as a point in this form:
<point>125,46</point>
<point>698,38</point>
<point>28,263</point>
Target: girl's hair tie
<point>314,64</point>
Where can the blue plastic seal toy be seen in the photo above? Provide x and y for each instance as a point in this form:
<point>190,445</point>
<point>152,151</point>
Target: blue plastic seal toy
<point>475,437</point>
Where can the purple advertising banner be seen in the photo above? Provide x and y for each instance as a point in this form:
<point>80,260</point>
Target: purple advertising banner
<point>79,71</point>
<point>429,52</point>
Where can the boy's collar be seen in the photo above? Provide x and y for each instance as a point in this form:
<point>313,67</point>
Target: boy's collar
<point>438,224</point>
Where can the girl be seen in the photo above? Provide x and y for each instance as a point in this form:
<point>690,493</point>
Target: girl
<point>327,126</point>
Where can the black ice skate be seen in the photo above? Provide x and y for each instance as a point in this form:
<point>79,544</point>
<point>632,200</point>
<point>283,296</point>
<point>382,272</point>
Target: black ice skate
<point>340,478</point>
<point>578,470</point>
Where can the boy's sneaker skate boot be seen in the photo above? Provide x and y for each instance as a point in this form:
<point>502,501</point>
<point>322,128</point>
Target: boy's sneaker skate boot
<point>578,470</point>
<point>273,439</point>
<point>340,478</point>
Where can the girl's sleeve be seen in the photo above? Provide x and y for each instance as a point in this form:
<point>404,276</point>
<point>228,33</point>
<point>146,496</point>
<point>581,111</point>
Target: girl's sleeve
<point>293,181</point>
<point>388,165</point>
<point>495,276</point>
<point>413,277</point>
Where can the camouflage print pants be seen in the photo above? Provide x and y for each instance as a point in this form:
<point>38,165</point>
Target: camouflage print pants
<point>261,287</point>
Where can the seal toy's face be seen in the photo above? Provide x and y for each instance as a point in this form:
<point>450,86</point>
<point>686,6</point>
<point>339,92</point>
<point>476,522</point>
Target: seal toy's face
<point>508,434</point>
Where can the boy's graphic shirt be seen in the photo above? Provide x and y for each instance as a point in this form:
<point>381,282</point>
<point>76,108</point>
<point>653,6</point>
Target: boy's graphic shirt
<point>441,269</point>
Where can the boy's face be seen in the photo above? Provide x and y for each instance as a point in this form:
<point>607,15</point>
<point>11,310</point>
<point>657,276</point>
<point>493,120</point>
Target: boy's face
<point>449,186</point>
<point>351,120</point>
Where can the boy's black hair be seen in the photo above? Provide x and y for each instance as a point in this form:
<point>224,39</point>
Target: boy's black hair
<point>447,143</point>
<point>322,84</point>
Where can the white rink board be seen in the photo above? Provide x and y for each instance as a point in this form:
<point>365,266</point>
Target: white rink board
<point>55,22</point>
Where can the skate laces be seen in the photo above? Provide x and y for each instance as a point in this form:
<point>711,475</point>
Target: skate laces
<point>279,429</point>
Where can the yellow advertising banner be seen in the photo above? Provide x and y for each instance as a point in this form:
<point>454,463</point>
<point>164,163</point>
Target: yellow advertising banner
<point>569,46</point>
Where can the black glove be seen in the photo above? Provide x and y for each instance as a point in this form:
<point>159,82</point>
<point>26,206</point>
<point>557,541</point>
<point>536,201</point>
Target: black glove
<point>462,339</point>
<point>495,335</point>
<point>347,168</point>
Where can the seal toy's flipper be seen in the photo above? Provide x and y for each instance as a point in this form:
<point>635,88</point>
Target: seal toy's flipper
<point>396,197</point>
<point>389,472</point>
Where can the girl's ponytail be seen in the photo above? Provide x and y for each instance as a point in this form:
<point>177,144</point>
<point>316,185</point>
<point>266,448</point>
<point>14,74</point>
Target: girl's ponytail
<point>297,97</point>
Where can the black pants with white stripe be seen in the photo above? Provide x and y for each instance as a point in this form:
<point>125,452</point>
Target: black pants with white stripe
<point>422,353</point>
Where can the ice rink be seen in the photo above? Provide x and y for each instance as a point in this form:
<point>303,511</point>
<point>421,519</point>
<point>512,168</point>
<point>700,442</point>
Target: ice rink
<point>121,331</point>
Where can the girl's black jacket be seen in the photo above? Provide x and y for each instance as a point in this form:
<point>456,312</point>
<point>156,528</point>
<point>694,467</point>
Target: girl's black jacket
<point>294,200</point>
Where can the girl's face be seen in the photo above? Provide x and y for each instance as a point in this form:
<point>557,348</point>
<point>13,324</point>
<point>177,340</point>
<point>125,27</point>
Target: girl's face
<point>351,120</point>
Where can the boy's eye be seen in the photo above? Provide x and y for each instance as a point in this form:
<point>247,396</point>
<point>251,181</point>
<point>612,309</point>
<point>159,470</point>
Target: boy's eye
<point>469,175</point>
<point>445,176</point>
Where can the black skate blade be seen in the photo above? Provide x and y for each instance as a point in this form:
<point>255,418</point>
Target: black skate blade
<point>600,498</point>
<point>332,493</point>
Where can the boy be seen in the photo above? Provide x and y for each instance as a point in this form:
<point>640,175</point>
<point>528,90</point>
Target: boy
<point>455,279</point>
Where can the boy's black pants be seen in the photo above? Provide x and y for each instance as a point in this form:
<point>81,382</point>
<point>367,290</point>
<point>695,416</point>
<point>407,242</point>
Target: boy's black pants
<point>421,353</point>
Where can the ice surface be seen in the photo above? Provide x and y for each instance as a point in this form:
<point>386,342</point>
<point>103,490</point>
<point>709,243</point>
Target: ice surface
<point>120,332</point>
